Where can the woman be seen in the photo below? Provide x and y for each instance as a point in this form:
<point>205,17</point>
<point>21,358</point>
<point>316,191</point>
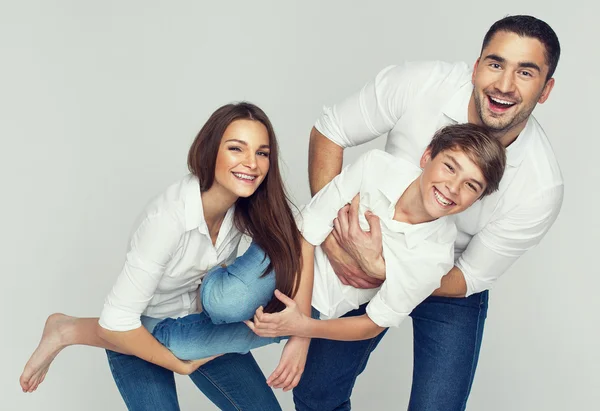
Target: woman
<point>235,188</point>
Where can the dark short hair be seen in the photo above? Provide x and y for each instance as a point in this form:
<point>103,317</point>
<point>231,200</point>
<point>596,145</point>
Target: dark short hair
<point>476,142</point>
<point>529,26</point>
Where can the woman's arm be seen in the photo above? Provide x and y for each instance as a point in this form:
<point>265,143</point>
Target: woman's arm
<point>292,321</point>
<point>293,358</point>
<point>142,344</point>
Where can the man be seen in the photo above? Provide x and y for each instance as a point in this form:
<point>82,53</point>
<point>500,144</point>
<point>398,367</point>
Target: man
<point>512,74</point>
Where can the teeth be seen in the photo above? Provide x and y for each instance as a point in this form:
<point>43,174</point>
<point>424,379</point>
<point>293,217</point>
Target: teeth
<point>244,176</point>
<point>441,198</point>
<point>505,102</point>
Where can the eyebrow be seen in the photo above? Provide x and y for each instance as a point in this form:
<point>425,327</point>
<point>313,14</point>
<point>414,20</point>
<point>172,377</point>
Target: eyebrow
<point>457,165</point>
<point>245,143</point>
<point>521,64</point>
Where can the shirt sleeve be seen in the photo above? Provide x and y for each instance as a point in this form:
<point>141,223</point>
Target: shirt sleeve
<point>411,276</point>
<point>376,108</point>
<point>152,246</point>
<point>495,248</point>
<point>317,217</point>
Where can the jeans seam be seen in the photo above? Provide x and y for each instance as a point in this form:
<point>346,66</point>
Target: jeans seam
<point>225,394</point>
<point>118,382</point>
<point>360,365</point>
<point>475,355</point>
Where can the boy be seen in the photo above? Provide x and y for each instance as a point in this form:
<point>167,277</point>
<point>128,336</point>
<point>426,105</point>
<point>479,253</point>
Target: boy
<point>461,165</point>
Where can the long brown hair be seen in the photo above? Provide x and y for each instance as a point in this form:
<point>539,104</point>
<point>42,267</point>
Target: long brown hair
<point>265,215</point>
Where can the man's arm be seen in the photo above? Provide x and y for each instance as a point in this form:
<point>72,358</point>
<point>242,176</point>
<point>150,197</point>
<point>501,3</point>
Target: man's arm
<point>501,242</point>
<point>324,160</point>
<point>453,284</point>
<point>324,163</point>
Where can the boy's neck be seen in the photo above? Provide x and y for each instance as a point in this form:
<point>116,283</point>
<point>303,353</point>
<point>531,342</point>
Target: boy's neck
<point>410,208</point>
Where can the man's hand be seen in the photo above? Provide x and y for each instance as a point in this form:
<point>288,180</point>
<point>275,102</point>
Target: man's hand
<point>356,255</point>
<point>345,267</point>
<point>291,365</point>
<point>363,246</point>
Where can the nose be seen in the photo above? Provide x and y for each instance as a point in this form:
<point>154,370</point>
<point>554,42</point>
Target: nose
<point>505,83</point>
<point>250,161</point>
<point>452,186</point>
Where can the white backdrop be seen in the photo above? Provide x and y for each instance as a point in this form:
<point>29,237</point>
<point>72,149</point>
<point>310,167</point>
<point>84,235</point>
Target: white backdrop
<point>99,102</point>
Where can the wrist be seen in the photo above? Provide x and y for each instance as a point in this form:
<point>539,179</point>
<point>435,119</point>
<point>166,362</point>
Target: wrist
<point>375,267</point>
<point>304,328</point>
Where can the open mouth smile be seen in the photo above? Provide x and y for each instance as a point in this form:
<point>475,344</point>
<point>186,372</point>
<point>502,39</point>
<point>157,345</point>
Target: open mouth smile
<point>244,177</point>
<point>499,105</point>
<point>441,199</point>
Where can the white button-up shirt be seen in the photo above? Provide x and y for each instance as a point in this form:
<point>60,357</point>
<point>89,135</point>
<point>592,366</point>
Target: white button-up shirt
<point>410,103</point>
<point>416,255</point>
<point>169,253</point>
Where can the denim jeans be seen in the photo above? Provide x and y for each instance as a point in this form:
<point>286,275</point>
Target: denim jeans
<point>232,381</point>
<point>447,336</point>
<point>229,296</point>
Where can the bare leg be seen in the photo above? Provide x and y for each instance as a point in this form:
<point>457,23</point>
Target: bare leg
<point>59,332</point>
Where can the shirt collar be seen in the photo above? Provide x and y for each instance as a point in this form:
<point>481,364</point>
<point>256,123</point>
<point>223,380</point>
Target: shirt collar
<point>392,188</point>
<point>457,110</point>
<point>417,233</point>
<point>194,210</point>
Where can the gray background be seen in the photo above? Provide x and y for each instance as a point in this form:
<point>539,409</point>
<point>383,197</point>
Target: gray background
<point>100,100</point>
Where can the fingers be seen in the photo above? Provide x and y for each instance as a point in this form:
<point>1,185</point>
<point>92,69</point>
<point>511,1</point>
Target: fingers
<point>294,382</point>
<point>342,220</point>
<point>374,225</point>
<point>353,213</point>
<point>275,374</point>
<point>284,299</point>
<point>284,378</point>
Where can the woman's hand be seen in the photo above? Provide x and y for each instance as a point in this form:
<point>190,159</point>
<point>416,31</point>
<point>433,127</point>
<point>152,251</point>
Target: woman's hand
<point>190,366</point>
<point>290,321</point>
<point>291,365</point>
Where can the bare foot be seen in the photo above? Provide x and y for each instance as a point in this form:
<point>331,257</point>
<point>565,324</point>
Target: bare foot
<point>52,342</point>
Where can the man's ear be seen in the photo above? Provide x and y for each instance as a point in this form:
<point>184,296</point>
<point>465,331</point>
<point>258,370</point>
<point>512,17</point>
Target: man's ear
<point>425,158</point>
<point>474,71</point>
<point>546,91</point>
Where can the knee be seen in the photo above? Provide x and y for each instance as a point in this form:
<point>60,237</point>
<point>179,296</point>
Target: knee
<point>229,300</point>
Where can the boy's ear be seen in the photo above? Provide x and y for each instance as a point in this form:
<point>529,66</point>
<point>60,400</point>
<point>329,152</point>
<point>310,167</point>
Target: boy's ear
<point>425,158</point>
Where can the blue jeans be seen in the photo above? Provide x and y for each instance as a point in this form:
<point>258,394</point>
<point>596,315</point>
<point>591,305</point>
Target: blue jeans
<point>233,381</point>
<point>447,336</point>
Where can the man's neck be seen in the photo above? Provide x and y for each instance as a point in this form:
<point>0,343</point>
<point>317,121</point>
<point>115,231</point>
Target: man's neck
<point>410,208</point>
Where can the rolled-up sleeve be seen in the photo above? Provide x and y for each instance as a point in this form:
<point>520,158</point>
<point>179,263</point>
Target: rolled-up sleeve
<point>376,108</point>
<point>411,276</point>
<point>317,217</point>
<point>495,248</point>
<point>151,247</point>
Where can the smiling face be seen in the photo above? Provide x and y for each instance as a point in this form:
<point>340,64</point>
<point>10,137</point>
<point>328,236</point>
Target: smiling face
<point>509,79</point>
<point>242,159</point>
<point>450,182</point>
